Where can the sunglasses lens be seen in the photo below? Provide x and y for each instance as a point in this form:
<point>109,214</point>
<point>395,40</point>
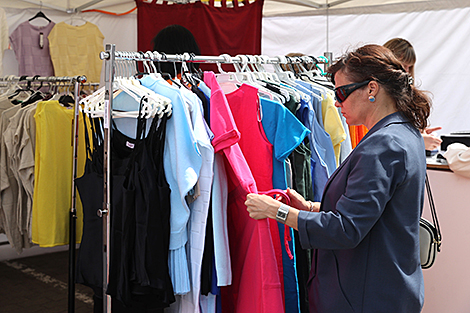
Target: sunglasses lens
<point>340,95</point>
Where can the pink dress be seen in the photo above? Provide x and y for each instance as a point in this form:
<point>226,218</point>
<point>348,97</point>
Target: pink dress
<point>256,284</point>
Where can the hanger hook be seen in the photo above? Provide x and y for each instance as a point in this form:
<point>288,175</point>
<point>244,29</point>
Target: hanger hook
<point>227,59</point>
<point>149,55</point>
<point>184,66</point>
<point>244,62</point>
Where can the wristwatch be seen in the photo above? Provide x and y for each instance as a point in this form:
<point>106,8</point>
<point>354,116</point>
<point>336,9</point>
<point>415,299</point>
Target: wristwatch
<point>282,213</point>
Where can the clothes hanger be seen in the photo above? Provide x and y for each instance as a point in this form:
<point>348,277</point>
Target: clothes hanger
<point>11,85</point>
<point>186,76</point>
<point>317,75</point>
<point>255,80</point>
<point>271,81</point>
<point>287,77</point>
<point>196,73</point>
<point>74,18</point>
<point>153,104</point>
<point>228,81</point>
<point>13,96</point>
<point>160,104</point>
<point>40,14</point>
<point>154,55</point>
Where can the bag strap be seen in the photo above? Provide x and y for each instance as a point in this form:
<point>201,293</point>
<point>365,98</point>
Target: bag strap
<point>433,213</point>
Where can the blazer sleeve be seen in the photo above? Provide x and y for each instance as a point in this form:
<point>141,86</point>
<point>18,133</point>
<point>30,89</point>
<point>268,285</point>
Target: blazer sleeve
<point>355,196</point>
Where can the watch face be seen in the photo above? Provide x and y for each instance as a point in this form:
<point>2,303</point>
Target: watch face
<point>281,215</point>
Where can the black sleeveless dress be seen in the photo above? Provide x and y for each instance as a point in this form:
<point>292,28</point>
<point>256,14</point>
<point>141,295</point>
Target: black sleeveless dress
<point>139,278</point>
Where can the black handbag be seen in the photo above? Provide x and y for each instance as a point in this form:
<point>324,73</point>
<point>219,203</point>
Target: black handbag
<point>429,234</point>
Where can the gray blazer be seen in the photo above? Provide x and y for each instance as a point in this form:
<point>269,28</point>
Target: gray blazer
<point>366,235</point>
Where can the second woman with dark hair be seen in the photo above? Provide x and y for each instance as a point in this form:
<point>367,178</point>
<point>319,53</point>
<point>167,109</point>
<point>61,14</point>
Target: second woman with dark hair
<point>174,39</point>
<point>405,52</point>
<point>365,232</point>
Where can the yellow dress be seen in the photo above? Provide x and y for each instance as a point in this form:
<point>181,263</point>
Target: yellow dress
<point>53,162</point>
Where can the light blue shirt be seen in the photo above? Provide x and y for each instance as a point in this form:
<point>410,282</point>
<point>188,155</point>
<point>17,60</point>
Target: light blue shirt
<point>182,162</point>
<point>318,145</point>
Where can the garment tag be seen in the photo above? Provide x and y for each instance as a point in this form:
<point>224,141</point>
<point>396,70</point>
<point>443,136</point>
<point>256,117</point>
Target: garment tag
<point>41,40</point>
<point>130,145</point>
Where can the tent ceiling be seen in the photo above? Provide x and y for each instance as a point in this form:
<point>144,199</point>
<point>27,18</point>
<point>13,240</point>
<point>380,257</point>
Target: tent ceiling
<point>324,7</point>
<point>271,7</point>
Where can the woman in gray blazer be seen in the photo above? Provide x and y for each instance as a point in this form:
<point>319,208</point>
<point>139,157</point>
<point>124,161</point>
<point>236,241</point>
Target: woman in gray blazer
<point>365,232</point>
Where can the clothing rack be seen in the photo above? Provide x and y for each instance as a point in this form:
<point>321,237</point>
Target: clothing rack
<point>110,56</point>
<point>222,59</point>
<point>76,81</point>
<point>7,82</point>
<point>73,212</point>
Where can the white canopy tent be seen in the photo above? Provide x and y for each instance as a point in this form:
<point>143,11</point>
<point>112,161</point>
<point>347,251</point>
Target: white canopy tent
<point>435,27</point>
<point>271,7</point>
<point>438,29</point>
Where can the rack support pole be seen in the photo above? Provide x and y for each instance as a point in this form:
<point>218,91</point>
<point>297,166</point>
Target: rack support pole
<point>108,56</point>
<point>73,210</point>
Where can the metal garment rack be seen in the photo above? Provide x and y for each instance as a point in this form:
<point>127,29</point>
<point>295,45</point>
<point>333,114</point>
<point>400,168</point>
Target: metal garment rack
<point>76,81</point>
<point>222,59</point>
<point>110,56</point>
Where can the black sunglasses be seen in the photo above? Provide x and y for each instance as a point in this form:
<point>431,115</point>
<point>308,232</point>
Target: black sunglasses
<point>342,92</point>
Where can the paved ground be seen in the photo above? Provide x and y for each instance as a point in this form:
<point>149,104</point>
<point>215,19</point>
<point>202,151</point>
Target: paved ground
<point>39,284</point>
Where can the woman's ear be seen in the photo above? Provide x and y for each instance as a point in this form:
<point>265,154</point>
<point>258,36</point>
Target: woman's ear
<point>373,88</point>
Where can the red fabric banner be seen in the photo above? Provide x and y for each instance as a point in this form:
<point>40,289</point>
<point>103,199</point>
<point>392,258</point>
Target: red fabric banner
<point>217,30</point>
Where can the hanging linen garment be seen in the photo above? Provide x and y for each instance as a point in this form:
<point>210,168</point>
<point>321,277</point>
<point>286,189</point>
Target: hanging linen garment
<point>320,145</point>
<point>326,151</point>
<point>90,190</point>
<point>20,153</point>
<point>75,50</point>
<point>9,189</point>
<point>53,174</point>
<point>256,285</point>
<point>285,132</point>
<point>300,160</point>
<point>26,152</point>
<point>200,206</point>
<point>357,132</point>
<point>346,145</point>
<point>5,104</point>
<point>140,227</point>
<point>333,125</point>
<point>219,199</point>
<point>31,48</point>
<point>3,36</point>
<point>182,163</point>
<point>216,249</point>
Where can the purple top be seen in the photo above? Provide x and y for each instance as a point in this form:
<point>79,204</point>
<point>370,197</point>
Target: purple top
<point>31,48</point>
